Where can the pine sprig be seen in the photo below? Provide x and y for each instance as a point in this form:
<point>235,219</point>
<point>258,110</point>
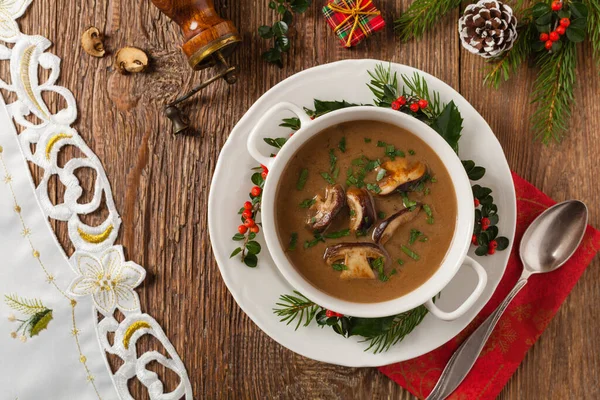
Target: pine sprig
<point>381,78</point>
<point>402,325</point>
<point>422,16</point>
<point>26,306</point>
<point>501,69</point>
<point>593,27</point>
<point>417,86</point>
<point>296,308</point>
<point>553,93</point>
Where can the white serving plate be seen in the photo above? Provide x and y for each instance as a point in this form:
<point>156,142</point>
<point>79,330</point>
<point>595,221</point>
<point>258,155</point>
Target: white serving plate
<point>257,290</point>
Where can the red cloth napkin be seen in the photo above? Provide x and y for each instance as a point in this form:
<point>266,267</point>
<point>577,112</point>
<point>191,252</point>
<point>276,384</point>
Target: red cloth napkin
<point>520,326</point>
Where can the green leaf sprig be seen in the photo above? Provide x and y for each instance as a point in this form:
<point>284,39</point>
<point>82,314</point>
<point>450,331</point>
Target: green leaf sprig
<point>279,30</point>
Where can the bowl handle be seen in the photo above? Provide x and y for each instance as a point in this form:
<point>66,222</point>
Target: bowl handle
<point>470,301</point>
<point>257,135</point>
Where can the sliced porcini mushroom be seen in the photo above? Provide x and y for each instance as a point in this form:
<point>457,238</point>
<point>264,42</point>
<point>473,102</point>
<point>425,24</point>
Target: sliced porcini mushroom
<point>400,174</point>
<point>362,209</point>
<point>91,41</point>
<point>325,209</point>
<point>386,228</point>
<point>356,257</point>
<point>131,60</point>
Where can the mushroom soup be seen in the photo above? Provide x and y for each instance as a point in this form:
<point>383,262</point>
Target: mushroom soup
<point>366,211</point>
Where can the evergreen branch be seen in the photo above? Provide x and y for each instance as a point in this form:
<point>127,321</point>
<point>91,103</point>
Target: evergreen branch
<point>421,16</point>
<point>380,78</point>
<point>417,85</point>
<point>21,304</point>
<point>501,68</point>
<point>402,325</point>
<point>553,93</point>
<point>593,27</point>
<point>296,308</point>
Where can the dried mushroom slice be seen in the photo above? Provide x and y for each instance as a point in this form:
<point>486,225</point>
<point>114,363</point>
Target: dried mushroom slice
<point>362,209</point>
<point>400,174</point>
<point>325,210</point>
<point>386,228</point>
<point>355,256</point>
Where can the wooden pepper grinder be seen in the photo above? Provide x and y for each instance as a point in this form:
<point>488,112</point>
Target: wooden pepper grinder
<point>209,39</point>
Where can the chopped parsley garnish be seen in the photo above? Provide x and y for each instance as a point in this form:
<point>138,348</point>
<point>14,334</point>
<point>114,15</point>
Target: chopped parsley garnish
<point>410,253</point>
<point>429,213</point>
<point>426,191</point>
<point>342,144</point>
<point>307,203</point>
<point>332,160</point>
<point>400,262</point>
<point>415,235</point>
<point>338,234</point>
<point>336,172</point>
<point>302,179</point>
<point>392,152</point>
<point>358,162</point>
<point>433,179</point>
<point>339,267</point>
<point>380,174</point>
<point>328,178</point>
<point>318,238</point>
<point>367,140</point>
<point>361,233</point>
<point>293,241</point>
<point>408,203</point>
<point>372,164</point>
<point>411,152</point>
<point>352,213</point>
<point>378,266</point>
<point>381,215</point>
<point>381,144</point>
<point>373,187</point>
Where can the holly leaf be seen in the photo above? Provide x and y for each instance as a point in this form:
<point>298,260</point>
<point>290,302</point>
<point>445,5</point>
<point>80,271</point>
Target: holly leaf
<point>300,6</point>
<point>276,142</point>
<point>449,125</point>
<point>502,243</point>
<point>273,56</point>
<point>251,260</point>
<point>324,107</point>
<point>540,9</point>
<point>370,327</point>
<point>579,10</point>
<point>39,322</point>
<point>481,251</point>
<point>253,247</point>
<point>292,123</point>
<point>280,29</point>
<point>575,34</point>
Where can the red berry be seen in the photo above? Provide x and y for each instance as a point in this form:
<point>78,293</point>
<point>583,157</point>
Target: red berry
<point>565,22</point>
<point>544,37</point>
<point>329,313</point>
<point>474,240</point>
<point>554,36</point>
<point>557,5</point>
<point>265,169</point>
<point>247,214</point>
<point>493,244</point>
<point>256,191</point>
<point>401,100</point>
<point>264,174</point>
<point>477,202</point>
<point>249,222</point>
<point>254,229</point>
<point>548,44</point>
<point>396,105</point>
<point>485,223</point>
<point>242,229</point>
<point>423,103</point>
<point>248,205</point>
<point>491,250</point>
<point>561,30</point>
<point>414,107</point>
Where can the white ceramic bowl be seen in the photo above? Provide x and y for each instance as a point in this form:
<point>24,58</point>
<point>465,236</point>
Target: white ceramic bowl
<point>456,255</point>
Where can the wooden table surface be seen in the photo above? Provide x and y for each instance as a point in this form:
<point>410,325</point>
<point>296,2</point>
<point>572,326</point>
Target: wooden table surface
<point>160,185</point>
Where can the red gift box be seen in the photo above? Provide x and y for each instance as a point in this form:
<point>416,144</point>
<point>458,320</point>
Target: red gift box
<point>353,20</point>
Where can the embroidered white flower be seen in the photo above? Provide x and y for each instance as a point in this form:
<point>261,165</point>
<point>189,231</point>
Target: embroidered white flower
<point>108,278</point>
<point>10,10</point>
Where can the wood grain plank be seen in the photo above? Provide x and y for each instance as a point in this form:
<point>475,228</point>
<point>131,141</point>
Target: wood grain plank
<point>160,186</point>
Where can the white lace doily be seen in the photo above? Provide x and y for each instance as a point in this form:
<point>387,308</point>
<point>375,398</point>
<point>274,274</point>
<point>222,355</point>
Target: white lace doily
<point>58,313</point>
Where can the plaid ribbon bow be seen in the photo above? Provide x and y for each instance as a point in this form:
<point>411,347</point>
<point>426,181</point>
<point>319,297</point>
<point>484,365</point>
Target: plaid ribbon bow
<point>353,20</point>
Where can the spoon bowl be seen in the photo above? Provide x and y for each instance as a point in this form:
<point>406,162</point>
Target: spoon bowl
<point>553,237</point>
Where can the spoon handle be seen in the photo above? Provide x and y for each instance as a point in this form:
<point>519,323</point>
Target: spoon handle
<point>464,358</point>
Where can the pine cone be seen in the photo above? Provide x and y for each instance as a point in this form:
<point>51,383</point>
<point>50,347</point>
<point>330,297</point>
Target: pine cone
<point>488,28</point>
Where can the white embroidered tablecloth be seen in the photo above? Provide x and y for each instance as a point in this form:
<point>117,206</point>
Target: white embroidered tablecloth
<point>57,311</point>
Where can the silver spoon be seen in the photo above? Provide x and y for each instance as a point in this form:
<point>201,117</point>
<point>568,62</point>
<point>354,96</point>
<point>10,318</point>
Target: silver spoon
<point>546,245</point>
